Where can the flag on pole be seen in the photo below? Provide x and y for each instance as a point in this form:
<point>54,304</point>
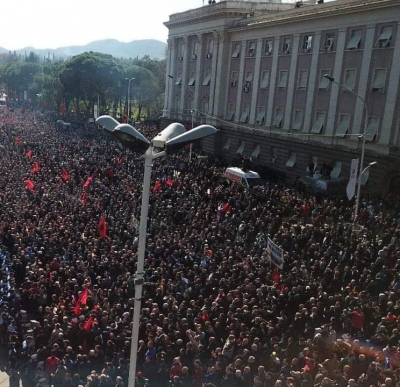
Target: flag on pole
<point>275,254</point>
<point>351,185</point>
<point>275,275</point>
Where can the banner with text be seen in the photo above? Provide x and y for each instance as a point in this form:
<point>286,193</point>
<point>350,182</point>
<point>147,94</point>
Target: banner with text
<point>275,254</point>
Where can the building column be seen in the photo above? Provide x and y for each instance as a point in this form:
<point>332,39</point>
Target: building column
<point>291,82</point>
<point>198,81</point>
<point>168,81</point>
<point>186,53</point>
<point>220,63</point>
<point>240,81</point>
<point>256,81</point>
<point>313,78</point>
<point>334,90</point>
<point>272,83</point>
<point>213,80</point>
<point>391,97</point>
<point>359,111</point>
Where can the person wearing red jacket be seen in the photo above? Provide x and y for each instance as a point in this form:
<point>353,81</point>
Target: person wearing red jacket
<point>176,369</point>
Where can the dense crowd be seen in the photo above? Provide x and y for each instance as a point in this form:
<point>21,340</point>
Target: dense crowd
<point>215,310</point>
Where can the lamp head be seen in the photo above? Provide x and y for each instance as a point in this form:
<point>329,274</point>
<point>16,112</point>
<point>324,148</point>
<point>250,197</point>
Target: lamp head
<point>131,138</point>
<point>107,122</point>
<point>372,163</point>
<point>329,78</point>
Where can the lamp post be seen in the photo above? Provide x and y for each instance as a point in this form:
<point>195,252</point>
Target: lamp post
<point>173,137</point>
<point>192,112</point>
<point>129,100</point>
<point>363,139</point>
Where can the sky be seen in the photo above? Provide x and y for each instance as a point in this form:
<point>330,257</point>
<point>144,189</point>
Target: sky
<point>57,23</point>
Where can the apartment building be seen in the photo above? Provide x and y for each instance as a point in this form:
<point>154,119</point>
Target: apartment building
<point>256,70</point>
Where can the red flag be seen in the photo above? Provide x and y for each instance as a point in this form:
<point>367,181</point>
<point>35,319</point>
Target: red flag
<point>65,175</point>
<point>87,182</point>
<point>83,198</point>
<point>157,186</point>
<point>82,300</point>
<point>89,144</point>
<point>102,227</point>
<point>88,324</point>
<point>169,183</point>
<point>282,288</point>
<point>275,276</point>
<point>18,140</point>
<point>110,173</point>
<point>51,277</point>
<point>120,160</point>
<point>29,184</point>
<point>226,208</point>
<point>35,168</point>
<point>29,154</point>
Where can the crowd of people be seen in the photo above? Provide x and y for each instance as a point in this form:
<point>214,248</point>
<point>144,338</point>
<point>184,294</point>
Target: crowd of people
<point>216,312</point>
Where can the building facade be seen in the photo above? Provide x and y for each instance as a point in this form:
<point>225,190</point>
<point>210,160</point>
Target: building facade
<point>256,71</point>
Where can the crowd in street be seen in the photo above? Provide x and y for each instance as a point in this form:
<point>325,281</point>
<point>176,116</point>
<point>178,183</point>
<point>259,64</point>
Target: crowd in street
<point>215,311</point>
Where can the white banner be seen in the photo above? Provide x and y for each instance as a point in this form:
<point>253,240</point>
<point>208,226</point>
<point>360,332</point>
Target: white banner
<point>351,185</point>
<point>275,254</point>
<point>95,111</point>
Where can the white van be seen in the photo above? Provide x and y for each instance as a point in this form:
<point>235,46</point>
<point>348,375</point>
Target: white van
<point>249,179</point>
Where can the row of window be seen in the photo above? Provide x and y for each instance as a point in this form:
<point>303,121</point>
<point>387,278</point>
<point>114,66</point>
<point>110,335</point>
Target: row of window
<point>318,124</point>
<point>349,79</point>
<point>354,41</point>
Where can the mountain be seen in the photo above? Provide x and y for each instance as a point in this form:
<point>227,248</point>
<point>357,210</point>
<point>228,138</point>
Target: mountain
<point>150,47</point>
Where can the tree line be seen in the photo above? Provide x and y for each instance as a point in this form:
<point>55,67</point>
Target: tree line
<point>79,82</point>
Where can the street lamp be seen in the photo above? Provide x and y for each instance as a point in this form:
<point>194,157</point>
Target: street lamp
<point>129,100</point>
<point>192,112</point>
<point>172,138</point>
<point>362,137</point>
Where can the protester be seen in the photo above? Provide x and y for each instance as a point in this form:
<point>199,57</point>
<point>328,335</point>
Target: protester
<point>216,310</point>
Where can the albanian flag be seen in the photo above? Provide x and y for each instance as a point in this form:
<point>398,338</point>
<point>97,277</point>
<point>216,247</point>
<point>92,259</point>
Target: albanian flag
<point>65,175</point>
<point>82,300</point>
<point>29,154</point>
<point>35,168</point>
<point>29,184</point>
<point>83,198</point>
<point>102,227</point>
<point>275,276</point>
<point>18,140</point>
<point>87,182</point>
<point>157,186</point>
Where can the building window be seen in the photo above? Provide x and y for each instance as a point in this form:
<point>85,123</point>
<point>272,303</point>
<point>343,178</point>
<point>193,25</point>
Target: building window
<point>343,127</point>
<point>192,79</point>
<point>385,37</point>
<point>291,161</point>
<point>249,78</point>
<point>240,150</point>
<point>205,107</point>
<point>236,50</point>
<point>252,49</point>
<point>260,115</point>
<point>179,79</point>
<point>336,170</point>
<point>194,50</point>
<point>329,42</point>
<point>210,48</point>
<point>245,114</point>
<point>234,78</point>
<point>379,80</point>
<point>302,81</point>
<point>268,46</point>
<point>372,128</point>
<point>286,46</point>
<point>181,51</point>
<point>350,76</point>
<point>227,144</point>
<point>231,112</point>
<point>278,118</point>
<point>355,40</point>
<point>256,152</point>
<point>283,75</point>
<point>297,119</point>
<point>323,82</point>
<point>318,123</point>
<point>265,79</point>
<point>273,155</point>
<point>207,78</point>
<point>307,43</point>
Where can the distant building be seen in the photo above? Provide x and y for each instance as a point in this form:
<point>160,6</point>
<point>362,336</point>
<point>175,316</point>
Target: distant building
<point>256,71</point>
